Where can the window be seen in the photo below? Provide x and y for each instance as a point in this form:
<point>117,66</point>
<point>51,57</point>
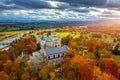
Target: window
<point>63,55</point>
<point>53,56</point>
<point>36,56</point>
<point>48,57</point>
<point>58,55</point>
<point>55,45</point>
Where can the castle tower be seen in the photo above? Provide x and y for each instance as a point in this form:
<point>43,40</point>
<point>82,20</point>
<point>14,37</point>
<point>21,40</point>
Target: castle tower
<point>52,32</point>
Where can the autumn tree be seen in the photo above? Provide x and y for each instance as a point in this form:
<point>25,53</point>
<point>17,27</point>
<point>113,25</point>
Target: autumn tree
<point>72,44</point>
<point>109,66</point>
<point>97,53</point>
<point>3,76</point>
<point>66,39</point>
<point>99,75</point>
<point>71,53</point>
<point>45,71</point>
<point>79,68</point>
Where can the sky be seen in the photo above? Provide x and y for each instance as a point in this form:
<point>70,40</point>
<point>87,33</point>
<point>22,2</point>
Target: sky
<point>59,10</point>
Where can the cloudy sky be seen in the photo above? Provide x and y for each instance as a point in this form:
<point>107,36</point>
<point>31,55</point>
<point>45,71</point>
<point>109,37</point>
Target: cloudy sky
<point>59,9</point>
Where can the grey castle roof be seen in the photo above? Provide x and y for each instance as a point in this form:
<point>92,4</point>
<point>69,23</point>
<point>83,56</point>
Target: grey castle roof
<point>58,50</point>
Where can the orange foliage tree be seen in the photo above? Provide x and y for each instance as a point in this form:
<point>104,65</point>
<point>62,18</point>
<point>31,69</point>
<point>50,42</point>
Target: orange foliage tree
<point>109,66</point>
<point>78,68</point>
<point>3,76</point>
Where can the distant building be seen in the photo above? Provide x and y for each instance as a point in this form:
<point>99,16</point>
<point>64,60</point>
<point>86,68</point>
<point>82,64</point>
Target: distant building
<point>84,27</point>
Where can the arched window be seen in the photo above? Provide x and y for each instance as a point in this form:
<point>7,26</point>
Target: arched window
<point>63,55</point>
<point>58,55</point>
<point>48,57</point>
<point>53,56</point>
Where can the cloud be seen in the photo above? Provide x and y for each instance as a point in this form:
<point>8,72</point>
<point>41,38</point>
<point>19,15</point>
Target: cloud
<point>93,3</point>
<point>113,3</point>
<point>51,4</point>
<point>7,5</point>
<point>45,14</point>
<point>38,4</point>
<point>58,5</point>
<point>59,9</point>
<point>86,2</point>
<point>72,5</point>
<point>32,3</point>
<point>110,14</point>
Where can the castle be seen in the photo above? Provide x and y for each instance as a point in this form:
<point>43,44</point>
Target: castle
<point>50,41</point>
<point>51,47</point>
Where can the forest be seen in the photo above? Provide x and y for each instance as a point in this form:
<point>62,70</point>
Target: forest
<point>91,56</point>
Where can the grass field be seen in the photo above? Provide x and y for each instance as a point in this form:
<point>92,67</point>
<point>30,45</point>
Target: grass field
<point>4,35</point>
<point>64,34</point>
<point>77,34</point>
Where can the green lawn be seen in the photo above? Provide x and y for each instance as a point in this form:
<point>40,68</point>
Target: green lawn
<point>77,34</point>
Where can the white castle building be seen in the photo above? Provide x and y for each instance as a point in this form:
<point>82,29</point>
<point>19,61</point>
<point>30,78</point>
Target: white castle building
<point>51,46</point>
<point>50,41</point>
